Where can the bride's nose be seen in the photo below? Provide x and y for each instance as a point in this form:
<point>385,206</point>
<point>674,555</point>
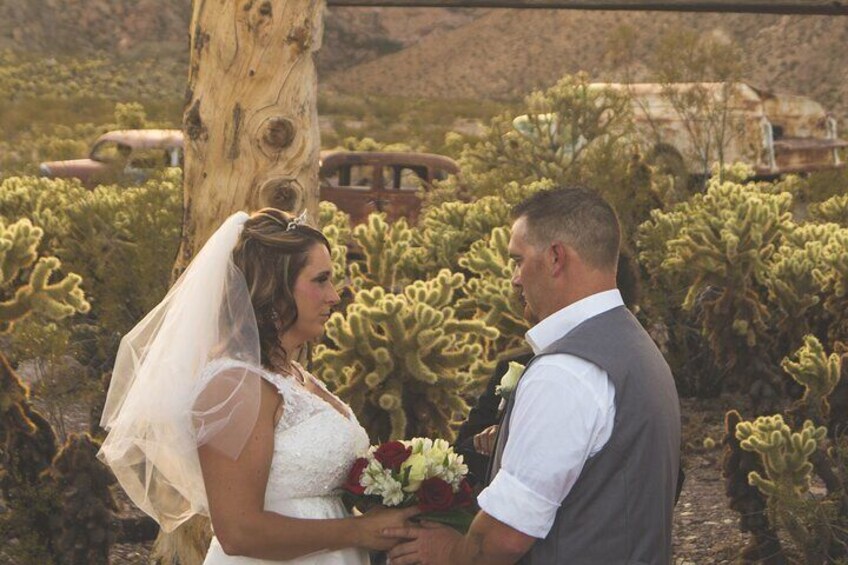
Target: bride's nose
<point>334,297</point>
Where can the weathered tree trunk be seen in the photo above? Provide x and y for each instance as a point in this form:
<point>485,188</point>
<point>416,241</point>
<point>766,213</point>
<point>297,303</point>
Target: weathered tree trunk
<point>251,127</point>
<point>250,120</point>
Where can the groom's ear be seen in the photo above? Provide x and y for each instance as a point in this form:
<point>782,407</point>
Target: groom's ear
<point>557,254</point>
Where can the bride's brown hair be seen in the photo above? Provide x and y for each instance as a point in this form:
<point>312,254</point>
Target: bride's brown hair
<point>272,250</point>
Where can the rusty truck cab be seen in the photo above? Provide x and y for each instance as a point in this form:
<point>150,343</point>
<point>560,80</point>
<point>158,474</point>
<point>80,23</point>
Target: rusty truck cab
<point>362,182</point>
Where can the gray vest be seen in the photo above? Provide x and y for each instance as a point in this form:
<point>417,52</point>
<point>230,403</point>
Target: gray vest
<point>619,511</point>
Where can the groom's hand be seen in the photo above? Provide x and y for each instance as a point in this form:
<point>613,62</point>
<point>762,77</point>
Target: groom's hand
<point>429,544</point>
<point>484,442</point>
<point>377,521</point>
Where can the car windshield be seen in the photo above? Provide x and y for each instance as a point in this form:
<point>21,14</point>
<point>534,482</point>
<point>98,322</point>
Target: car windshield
<point>110,152</point>
<point>356,177</point>
<point>404,177</point>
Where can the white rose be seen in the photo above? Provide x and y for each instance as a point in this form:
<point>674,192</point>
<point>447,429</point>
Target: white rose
<point>510,379</point>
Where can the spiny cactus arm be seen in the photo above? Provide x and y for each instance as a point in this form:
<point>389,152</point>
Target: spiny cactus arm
<point>18,248</point>
<point>835,210</point>
<point>818,373</point>
<point>477,328</point>
<point>55,301</point>
<point>61,299</point>
<point>338,253</point>
<point>792,286</point>
<point>416,367</point>
<point>390,400</point>
<point>785,454</point>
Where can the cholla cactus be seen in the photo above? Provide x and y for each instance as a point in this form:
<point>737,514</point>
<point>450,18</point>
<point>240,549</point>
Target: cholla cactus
<point>819,374</point>
<point>403,361</point>
<point>18,244</point>
<point>792,286</point>
<point>116,240</point>
<point>786,458</point>
<point>81,529</point>
<point>27,443</point>
<point>43,201</point>
<point>447,231</point>
<point>832,275</point>
<point>746,499</point>
<point>725,242</point>
<point>489,294</point>
<point>785,454</point>
<point>833,210</point>
<point>335,225</point>
<point>391,259</point>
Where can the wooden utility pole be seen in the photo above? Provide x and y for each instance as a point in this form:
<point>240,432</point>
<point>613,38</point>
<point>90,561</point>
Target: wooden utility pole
<point>251,121</point>
<point>804,7</point>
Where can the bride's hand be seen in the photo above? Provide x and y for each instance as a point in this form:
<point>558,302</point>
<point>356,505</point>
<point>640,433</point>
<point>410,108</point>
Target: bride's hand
<point>373,522</point>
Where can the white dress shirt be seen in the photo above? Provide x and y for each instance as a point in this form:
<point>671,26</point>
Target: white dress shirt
<point>563,414</point>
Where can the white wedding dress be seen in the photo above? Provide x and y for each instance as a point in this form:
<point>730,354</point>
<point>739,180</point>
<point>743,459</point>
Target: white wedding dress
<point>314,448</point>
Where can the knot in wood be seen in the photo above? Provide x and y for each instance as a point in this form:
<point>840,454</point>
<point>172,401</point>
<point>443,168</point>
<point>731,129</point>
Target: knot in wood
<point>282,193</point>
<point>278,134</point>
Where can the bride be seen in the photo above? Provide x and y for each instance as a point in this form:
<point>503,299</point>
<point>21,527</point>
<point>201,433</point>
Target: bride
<point>208,411</point>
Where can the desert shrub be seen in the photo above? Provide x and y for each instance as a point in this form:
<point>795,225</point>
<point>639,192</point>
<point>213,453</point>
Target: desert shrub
<point>31,283</point>
<point>573,133</point>
<point>793,448</point>
<point>122,240</point>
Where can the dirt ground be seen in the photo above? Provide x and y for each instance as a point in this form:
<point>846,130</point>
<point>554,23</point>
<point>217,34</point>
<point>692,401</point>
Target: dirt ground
<point>705,529</point>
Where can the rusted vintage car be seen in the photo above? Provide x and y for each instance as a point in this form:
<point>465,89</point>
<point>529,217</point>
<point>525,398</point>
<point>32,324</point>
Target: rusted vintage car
<point>361,182</point>
<point>122,155</point>
<point>358,182</point>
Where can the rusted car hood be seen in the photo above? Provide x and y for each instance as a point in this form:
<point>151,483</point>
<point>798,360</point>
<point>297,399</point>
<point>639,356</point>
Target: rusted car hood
<point>79,168</point>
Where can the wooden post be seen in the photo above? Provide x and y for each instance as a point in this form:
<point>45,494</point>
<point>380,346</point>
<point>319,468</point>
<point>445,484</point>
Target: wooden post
<point>250,121</point>
<point>809,7</point>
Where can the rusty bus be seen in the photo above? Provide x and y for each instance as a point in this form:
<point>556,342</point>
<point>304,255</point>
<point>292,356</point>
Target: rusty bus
<point>772,133</point>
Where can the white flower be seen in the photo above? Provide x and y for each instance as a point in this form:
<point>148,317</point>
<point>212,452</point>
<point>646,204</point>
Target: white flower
<point>510,379</point>
<point>420,444</point>
<point>373,475</point>
<point>392,492</point>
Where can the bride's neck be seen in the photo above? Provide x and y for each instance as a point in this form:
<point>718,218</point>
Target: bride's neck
<point>291,347</point>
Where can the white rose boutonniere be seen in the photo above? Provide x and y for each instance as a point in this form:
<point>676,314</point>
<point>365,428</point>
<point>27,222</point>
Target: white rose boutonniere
<point>508,382</point>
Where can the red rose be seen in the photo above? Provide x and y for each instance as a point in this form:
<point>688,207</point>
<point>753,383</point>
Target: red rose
<point>352,483</point>
<point>434,495</point>
<point>392,454</point>
<point>464,496</point>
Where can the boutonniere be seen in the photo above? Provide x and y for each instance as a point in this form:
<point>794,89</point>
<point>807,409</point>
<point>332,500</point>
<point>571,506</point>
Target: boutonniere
<point>508,382</point>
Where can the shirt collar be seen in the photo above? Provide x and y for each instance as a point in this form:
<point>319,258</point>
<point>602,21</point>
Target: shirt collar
<point>563,321</point>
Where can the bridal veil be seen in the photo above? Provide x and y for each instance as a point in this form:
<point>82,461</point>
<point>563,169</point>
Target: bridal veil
<point>162,405</point>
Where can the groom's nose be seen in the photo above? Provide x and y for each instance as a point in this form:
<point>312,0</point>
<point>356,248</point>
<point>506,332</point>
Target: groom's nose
<point>516,279</point>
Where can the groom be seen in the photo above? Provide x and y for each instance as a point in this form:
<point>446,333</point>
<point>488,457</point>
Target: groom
<point>586,461</point>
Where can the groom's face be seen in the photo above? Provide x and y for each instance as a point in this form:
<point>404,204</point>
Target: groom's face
<point>528,273</point>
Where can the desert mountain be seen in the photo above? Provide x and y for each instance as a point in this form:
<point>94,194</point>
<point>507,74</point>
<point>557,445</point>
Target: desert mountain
<point>507,53</point>
<point>453,52</point>
<point>152,28</point>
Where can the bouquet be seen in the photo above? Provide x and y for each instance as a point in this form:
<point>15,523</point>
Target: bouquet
<point>423,472</point>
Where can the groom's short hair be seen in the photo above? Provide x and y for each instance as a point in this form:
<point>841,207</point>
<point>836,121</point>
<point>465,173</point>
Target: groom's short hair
<point>578,217</point>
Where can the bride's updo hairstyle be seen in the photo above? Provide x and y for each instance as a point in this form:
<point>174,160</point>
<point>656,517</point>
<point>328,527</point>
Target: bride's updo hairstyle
<point>271,251</point>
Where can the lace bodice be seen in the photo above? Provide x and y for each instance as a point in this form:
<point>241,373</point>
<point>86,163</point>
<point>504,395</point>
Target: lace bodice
<point>314,444</point>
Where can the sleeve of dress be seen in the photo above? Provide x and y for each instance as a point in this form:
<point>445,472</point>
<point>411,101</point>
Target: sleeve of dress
<point>226,405</point>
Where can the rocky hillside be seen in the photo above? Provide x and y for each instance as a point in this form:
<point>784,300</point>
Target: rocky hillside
<point>154,28</point>
<point>88,26</point>
<point>456,53</point>
<point>506,53</point>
